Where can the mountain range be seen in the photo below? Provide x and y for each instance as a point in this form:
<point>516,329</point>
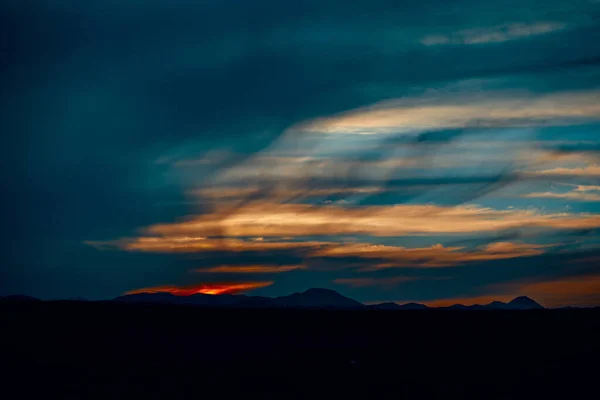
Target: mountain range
<point>311,298</point>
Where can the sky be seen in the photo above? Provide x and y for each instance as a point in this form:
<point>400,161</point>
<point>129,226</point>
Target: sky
<point>429,151</point>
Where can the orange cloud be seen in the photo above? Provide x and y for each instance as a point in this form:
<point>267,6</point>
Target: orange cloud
<point>265,219</point>
<point>385,256</point>
<point>188,244</point>
<point>434,256</point>
<point>250,269</point>
<point>205,288</point>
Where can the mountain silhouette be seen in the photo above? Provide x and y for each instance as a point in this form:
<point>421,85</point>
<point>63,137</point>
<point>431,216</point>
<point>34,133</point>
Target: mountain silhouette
<point>497,305</point>
<point>385,306</point>
<point>19,298</point>
<point>524,303</point>
<point>198,299</point>
<point>77,298</point>
<point>518,303</point>
<point>396,306</point>
<point>316,297</point>
<point>162,298</point>
<point>413,306</point>
<point>311,298</point>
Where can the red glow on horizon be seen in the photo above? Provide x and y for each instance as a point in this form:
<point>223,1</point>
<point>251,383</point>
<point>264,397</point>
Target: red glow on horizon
<point>205,288</point>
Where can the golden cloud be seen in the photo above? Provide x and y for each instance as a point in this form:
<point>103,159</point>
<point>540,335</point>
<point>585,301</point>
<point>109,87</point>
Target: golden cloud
<point>434,256</point>
<point>382,256</point>
<point>250,269</point>
<point>493,110</point>
<point>265,219</point>
<point>175,244</point>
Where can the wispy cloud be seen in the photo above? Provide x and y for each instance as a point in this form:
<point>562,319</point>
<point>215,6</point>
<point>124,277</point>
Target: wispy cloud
<point>373,256</point>
<point>279,190</point>
<point>494,34</point>
<point>487,109</point>
<point>264,219</point>
<point>250,269</point>
<point>586,188</point>
<point>574,195</point>
<point>590,170</point>
<point>178,244</point>
<point>434,256</point>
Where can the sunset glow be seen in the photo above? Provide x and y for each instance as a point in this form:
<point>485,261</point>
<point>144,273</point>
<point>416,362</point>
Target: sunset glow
<point>206,288</point>
<point>174,143</point>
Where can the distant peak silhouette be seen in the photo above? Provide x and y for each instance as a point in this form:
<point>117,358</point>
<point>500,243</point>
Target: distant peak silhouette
<point>321,291</point>
<point>396,306</point>
<point>524,303</point>
<point>317,297</point>
<point>19,298</point>
<point>413,306</point>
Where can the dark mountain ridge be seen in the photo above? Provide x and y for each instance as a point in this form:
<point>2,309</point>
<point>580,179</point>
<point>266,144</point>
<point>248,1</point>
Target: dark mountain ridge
<point>311,298</point>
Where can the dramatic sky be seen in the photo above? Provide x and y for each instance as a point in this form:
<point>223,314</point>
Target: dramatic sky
<point>433,151</point>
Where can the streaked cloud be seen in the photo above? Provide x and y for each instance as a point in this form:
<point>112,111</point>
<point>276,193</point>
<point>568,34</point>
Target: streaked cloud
<point>463,110</point>
<point>282,190</point>
<point>263,219</point>
<point>494,34</point>
<point>176,244</point>
<point>590,170</point>
<point>434,256</point>
<point>215,288</point>
<point>586,188</point>
<point>373,256</point>
<point>574,195</point>
<point>250,269</point>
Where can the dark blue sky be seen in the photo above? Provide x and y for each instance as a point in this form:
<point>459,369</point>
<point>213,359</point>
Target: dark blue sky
<point>426,151</point>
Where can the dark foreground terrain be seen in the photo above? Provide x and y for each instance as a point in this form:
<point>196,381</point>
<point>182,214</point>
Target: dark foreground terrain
<point>72,350</point>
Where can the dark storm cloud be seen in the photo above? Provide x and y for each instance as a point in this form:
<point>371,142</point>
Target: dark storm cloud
<point>95,93</point>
